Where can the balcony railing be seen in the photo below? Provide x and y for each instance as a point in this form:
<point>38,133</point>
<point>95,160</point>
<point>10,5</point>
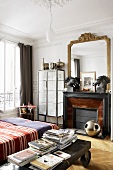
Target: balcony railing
<point>8,100</point>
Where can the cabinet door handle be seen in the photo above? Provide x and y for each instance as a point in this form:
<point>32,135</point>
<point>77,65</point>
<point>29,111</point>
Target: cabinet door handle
<point>46,84</point>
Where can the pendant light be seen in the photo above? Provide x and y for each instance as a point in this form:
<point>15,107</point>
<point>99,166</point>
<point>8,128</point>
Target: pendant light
<point>50,35</point>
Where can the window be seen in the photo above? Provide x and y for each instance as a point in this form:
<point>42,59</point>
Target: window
<point>10,76</point>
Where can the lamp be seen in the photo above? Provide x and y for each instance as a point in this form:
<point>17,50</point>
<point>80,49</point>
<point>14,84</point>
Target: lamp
<point>50,35</point>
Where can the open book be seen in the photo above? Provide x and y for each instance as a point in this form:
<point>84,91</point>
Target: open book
<point>62,154</point>
<point>47,161</point>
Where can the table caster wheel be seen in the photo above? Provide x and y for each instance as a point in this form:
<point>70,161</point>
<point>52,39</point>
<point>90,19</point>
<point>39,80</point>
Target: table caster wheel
<point>85,159</point>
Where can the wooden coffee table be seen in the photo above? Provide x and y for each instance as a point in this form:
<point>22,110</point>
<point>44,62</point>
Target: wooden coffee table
<point>79,149</point>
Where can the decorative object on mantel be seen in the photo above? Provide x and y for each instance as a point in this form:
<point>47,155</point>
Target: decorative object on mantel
<point>52,66</point>
<point>87,79</point>
<point>60,64</point>
<point>72,82</point>
<point>44,66</point>
<point>102,82</point>
<point>92,128</point>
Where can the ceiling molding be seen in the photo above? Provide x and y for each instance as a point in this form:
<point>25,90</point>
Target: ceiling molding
<point>26,41</point>
<point>90,24</point>
<point>100,25</point>
<point>12,31</point>
<point>107,23</point>
<point>45,44</point>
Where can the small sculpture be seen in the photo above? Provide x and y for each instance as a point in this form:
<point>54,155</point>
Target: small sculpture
<point>102,82</point>
<point>73,82</point>
<point>92,128</point>
<point>60,64</point>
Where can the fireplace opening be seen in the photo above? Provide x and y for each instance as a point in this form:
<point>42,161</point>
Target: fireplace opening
<point>81,116</point>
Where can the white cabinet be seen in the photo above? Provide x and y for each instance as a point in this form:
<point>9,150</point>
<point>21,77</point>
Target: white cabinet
<point>50,95</point>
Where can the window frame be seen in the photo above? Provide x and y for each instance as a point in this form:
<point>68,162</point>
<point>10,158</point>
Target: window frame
<point>4,109</point>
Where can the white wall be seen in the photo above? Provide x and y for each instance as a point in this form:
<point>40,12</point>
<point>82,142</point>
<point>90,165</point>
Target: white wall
<point>97,64</point>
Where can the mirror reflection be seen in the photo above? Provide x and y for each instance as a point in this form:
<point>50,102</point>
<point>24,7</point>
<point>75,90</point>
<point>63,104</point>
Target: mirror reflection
<point>88,57</point>
<point>89,54</point>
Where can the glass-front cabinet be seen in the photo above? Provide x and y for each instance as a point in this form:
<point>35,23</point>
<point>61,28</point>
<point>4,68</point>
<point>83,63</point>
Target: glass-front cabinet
<point>50,95</point>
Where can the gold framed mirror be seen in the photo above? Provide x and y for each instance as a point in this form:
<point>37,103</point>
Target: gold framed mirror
<point>92,41</point>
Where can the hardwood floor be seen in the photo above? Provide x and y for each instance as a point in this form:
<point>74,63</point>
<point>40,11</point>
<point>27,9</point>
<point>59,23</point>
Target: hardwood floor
<point>101,155</point>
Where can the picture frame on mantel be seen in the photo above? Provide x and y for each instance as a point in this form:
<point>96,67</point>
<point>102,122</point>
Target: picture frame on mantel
<point>86,81</point>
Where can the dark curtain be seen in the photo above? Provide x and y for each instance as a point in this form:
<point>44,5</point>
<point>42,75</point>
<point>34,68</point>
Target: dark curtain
<point>26,89</point>
<point>77,67</point>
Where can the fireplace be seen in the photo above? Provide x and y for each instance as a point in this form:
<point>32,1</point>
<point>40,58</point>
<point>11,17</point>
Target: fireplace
<point>80,107</point>
<point>82,115</point>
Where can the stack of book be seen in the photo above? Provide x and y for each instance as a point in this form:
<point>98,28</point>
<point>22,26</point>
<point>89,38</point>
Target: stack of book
<point>63,137</point>
<point>45,153</point>
<point>42,146</point>
<point>23,157</point>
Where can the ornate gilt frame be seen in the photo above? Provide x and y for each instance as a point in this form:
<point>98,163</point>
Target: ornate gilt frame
<point>86,37</point>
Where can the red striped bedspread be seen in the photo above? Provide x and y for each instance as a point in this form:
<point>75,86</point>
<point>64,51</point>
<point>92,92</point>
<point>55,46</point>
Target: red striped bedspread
<point>14,138</point>
<point>40,126</point>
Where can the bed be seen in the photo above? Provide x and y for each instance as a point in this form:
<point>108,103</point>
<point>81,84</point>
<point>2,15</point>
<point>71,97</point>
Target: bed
<point>15,133</point>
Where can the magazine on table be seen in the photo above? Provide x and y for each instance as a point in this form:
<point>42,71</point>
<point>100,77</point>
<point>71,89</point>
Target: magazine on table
<point>51,149</point>
<point>41,144</point>
<point>60,132</point>
<point>47,162</point>
<point>61,147</point>
<point>62,140</point>
<point>23,157</point>
<point>45,151</point>
<point>62,154</point>
<point>24,154</point>
<point>35,150</point>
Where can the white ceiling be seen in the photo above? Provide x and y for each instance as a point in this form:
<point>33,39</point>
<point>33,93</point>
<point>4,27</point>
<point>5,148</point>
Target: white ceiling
<point>23,17</point>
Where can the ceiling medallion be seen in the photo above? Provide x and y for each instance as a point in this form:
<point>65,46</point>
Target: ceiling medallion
<point>54,3</point>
